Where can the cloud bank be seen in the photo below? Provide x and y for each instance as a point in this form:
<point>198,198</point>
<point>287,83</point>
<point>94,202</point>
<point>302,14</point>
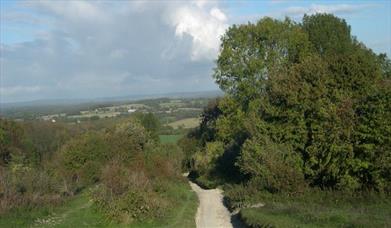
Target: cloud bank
<point>98,49</point>
<point>88,49</point>
<point>318,8</point>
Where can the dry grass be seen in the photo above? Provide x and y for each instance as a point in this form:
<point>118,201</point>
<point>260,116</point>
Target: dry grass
<point>185,123</point>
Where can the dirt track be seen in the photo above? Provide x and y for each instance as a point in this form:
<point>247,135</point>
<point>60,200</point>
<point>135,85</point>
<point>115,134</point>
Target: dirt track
<point>211,212</point>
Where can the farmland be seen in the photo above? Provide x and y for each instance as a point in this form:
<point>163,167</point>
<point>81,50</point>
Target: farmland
<point>172,112</point>
<point>185,123</point>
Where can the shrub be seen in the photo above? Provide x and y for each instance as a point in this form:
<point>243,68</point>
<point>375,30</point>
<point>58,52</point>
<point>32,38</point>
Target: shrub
<point>22,186</point>
<point>273,166</point>
<point>127,194</point>
<point>207,159</point>
<point>135,189</point>
<point>80,158</point>
<point>189,147</point>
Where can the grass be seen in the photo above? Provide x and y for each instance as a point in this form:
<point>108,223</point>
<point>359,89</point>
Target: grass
<point>80,212</point>
<point>169,138</point>
<point>185,123</point>
<point>319,209</point>
<point>172,104</point>
<point>205,182</point>
<point>180,216</point>
<point>77,212</point>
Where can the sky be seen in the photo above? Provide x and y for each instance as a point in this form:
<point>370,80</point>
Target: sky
<point>94,49</point>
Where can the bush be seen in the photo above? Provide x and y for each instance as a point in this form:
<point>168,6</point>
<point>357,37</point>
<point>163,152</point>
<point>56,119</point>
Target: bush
<point>189,147</point>
<point>126,194</point>
<point>240,195</point>
<point>272,166</point>
<point>22,186</point>
<point>132,173</point>
<point>205,161</point>
<point>131,192</point>
<point>135,189</point>
<point>79,160</point>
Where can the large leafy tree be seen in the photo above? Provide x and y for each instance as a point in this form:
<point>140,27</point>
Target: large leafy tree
<point>150,123</point>
<point>250,53</point>
<point>311,88</point>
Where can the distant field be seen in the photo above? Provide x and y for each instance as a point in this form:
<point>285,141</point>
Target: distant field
<point>92,114</point>
<point>169,138</point>
<point>172,105</point>
<point>185,123</point>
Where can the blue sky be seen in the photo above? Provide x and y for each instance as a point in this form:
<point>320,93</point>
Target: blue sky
<point>88,49</point>
<point>370,20</point>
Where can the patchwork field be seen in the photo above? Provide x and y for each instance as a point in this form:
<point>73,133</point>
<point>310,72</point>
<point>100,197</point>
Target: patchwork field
<point>185,123</point>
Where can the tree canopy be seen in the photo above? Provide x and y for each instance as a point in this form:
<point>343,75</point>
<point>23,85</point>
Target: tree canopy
<point>305,99</point>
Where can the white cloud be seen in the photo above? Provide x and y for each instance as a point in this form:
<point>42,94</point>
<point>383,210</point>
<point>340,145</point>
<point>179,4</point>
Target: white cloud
<point>205,27</point>
<point>97,49</point>
<point>201,3</point>
<point>216,13</point>
<point>316,8</point>
<point>118,53</point>
<point>17,90</point>
<point>72,10</point>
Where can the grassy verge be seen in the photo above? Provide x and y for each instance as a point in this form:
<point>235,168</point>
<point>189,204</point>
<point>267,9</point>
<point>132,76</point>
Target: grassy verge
<point>80,212</point>
<point>169,138</point>
<point>318,209</point>
<point>182,215</point>
<point>205,182</point>
<point>74,213</point>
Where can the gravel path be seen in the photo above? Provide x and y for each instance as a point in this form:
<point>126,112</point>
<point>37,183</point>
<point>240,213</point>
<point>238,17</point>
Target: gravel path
<point>211,212</point>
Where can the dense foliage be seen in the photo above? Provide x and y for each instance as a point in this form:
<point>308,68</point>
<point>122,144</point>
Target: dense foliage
<point>26,179</point>
<point>129,173</point>
<point>306,103</point>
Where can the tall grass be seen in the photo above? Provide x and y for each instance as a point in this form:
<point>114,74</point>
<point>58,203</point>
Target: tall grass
<point>312,208</point>
<point>29,188</point>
